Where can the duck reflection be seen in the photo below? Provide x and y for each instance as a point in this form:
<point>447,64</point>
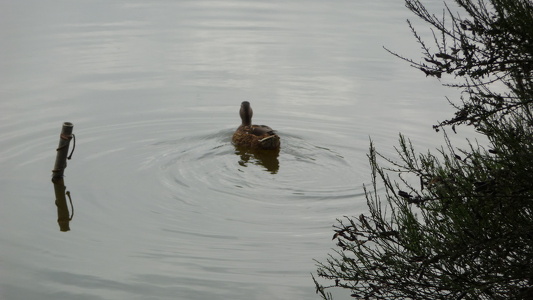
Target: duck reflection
<point>266,158</point>
<point>63,215</point>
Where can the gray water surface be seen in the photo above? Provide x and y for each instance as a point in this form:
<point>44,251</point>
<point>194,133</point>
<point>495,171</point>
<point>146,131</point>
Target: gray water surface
<point>165,207</point>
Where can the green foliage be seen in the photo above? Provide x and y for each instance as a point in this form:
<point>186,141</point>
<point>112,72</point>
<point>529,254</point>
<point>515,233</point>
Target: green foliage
<point>493,46</point>
<point>465,229</point>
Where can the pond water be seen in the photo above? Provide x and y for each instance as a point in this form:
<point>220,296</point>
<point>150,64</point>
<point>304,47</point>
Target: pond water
<point>165,207</point>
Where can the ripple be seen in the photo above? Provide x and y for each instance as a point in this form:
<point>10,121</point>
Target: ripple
<point>211,163</point>
<point>174,192</point>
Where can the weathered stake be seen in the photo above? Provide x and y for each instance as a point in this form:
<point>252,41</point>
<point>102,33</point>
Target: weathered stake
<point>62,151</point>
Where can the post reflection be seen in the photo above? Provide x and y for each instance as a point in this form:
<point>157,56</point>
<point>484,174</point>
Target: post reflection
<point>63,215</point>
<point>265,158</point>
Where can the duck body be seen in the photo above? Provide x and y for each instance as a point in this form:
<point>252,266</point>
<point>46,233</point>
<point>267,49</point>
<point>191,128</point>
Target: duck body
<point>254,136</point>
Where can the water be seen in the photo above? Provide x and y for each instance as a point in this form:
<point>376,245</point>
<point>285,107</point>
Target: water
<point>165,207</point>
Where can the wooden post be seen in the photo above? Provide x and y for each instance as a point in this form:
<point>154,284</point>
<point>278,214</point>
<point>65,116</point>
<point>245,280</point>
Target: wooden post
<point>62,151</point>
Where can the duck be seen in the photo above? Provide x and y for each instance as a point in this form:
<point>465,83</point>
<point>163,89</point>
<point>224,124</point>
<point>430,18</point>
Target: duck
<point>255,137</point>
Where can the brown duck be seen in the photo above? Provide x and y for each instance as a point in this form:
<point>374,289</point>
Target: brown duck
<point>254,136</point>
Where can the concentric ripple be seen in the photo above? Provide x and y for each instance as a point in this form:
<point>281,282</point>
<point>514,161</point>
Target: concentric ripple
<point>210,164</point>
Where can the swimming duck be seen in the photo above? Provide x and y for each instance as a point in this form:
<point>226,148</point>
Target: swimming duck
<point>254,136</point>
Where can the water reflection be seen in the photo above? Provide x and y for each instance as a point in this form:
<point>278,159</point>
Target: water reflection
<point>63,215</point>
<point>265,158</point>
<point>156,82</point>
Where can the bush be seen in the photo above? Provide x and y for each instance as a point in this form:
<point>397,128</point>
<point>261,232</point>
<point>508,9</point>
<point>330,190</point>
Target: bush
<point>465,231</point>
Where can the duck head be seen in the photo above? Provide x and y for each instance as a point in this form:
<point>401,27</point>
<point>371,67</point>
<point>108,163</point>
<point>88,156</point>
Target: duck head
<point>246,113</point>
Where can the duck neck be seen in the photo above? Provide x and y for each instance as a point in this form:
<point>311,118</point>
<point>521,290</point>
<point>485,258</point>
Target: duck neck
<point>246,115</point>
